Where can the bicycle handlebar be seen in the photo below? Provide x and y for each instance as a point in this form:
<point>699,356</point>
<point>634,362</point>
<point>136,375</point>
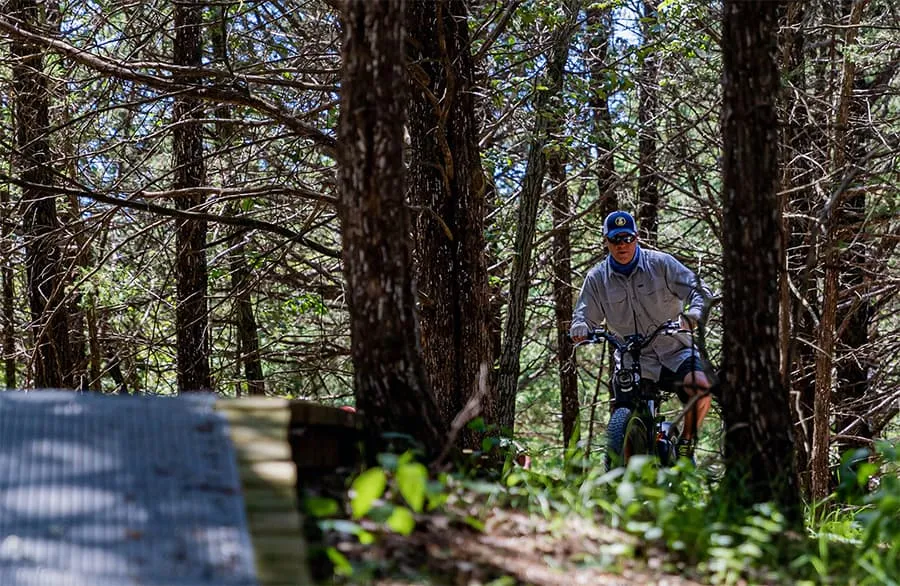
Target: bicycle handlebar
<point>633,341</point>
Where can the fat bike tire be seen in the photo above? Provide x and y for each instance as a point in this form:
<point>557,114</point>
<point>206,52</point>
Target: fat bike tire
<point>626,435</point>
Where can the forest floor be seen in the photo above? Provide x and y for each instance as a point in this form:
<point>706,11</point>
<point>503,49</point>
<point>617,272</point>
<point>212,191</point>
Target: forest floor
<point>513,548</point>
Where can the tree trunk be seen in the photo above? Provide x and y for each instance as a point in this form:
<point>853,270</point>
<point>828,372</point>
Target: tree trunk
<point>854,315</point>
<point>447,187</point>
<point>758,439</point>
<point>797,359</point>
<point>820,477</point>
<point>600,25</point>
<point>82,310</point>
<point>9,311</point>
<point>562,293</point>
<point>245,319</point>
<point>648,178</point>
<point>546,102</point>
<point>818,464</point>
<point>853,320</point>
<point>53,359</point>
<point>246,329</point>
<point>390,383</point>
<point>192,315</point>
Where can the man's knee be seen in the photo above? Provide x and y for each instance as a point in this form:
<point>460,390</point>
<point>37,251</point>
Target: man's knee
<point>695,382</point>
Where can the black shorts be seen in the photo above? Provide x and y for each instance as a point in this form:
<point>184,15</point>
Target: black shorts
<point>673,380</point>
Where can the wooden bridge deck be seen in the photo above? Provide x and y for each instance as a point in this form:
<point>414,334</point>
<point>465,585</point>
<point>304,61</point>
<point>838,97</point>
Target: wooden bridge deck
<point>262,431</point>
<point>106,490</point>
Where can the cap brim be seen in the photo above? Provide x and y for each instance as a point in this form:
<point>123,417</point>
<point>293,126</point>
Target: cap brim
<point>616,231</point>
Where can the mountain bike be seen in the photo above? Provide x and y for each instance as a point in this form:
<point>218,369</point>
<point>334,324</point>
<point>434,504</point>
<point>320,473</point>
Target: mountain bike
<point>636,426</point>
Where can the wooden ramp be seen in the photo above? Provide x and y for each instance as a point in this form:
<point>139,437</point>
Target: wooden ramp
<point>273,440</point>
<point>105,490</point>
<point>100,490</point>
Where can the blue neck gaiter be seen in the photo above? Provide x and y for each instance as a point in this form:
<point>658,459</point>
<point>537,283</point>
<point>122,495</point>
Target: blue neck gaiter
<point>627,268</point>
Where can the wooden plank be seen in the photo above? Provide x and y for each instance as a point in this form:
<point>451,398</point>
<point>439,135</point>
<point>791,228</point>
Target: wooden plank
<point>285,570</point>
<point>282,473</point>
<point>233,413</point>
<point>244,434</point>
<point>259,431</point>
<point>262,451</point>
<point>270,423</point>
<point>253,404</point>
<point>267,426</point>
<point>307,413</point>
<point>275,548</point>
<point>269,498</point>
<point>279,560</point>
<point>274,522</point>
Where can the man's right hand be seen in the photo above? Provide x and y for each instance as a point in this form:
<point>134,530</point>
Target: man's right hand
<point>579,333</point>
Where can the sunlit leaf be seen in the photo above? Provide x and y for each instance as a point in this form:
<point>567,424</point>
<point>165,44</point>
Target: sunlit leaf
<point>341,566</point>
<point>402,521</point>
<point>412,481</point>
<point>366,488</point>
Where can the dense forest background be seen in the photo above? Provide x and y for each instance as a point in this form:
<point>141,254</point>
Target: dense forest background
<point>172,214</point>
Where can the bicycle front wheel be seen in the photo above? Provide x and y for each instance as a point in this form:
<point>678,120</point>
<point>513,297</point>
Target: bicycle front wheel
<point>627,435</point>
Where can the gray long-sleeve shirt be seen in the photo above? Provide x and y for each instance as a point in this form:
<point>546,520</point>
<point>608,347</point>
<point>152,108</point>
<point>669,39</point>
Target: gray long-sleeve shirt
<point>656,291</point>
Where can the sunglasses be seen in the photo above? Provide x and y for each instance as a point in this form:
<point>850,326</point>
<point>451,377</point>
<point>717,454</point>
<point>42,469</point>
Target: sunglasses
<point>623,239</point>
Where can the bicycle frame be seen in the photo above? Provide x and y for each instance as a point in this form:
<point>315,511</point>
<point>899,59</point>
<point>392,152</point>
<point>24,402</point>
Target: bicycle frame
<point>637,399</point>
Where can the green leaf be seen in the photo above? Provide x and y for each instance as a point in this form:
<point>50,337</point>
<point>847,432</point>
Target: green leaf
<point>474,523</point>
<point>489,443</point>
<point>366,488</point>
<point>347,528</point>
<point>437,500</point>
<point>865,472</point>
<point>387,460</point>
<point>478,424</point>
<point>341,566</point>
<point>412,480</point>
<point>436,492</point>
<point>405,458</point>
<point>320,506</point>
<point>402,521</point>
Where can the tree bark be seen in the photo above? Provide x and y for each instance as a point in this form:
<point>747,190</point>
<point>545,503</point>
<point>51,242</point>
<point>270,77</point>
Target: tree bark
<point>758,438</point>
<point>853,320</point>
<point>601,29</point>
<point>520,274</point>
<point>798,176</point>
<point>820,479</point>
<point>447,187</point>
<point>53,359</point>
<point>390,383</point>
<point>648,135</point>
<point>855,313</point>
<point>600,26</point>
<point>192,313</point>
<point>245,320</point>
<point>562,293</point>
<point>9,311</point>
<point>246,329</point>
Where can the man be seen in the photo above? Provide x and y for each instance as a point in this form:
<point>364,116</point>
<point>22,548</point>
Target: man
<point>634,291</point>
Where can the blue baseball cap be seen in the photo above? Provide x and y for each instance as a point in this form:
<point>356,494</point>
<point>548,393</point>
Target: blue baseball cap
<point>619,222</point>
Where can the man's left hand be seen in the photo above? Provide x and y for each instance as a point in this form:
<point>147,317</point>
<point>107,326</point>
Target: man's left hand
<point>689,319</point>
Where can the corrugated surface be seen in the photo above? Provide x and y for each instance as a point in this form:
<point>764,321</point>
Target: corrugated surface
<point>98,490</point>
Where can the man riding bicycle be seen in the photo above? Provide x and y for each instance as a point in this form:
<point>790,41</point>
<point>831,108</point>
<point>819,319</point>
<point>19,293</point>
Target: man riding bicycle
<point>634,291</point>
